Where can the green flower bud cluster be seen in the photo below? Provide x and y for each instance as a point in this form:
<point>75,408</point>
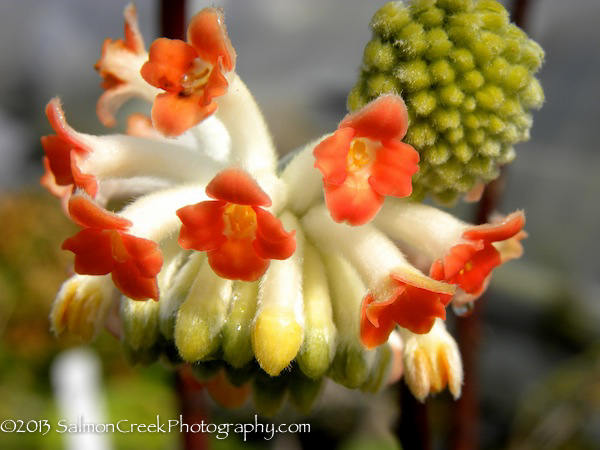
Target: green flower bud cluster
<point>467,77</point>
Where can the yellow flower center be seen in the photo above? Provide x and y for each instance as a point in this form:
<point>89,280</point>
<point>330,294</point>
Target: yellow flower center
<point>359,155</point>
<point>467,268</point>
<point>240,221</point>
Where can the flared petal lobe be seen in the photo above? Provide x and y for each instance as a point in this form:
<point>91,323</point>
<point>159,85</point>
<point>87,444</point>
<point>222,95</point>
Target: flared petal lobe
<point>383,119</point>
<point>168,61</point>
<point>103,247</point>
<point>208,35</point>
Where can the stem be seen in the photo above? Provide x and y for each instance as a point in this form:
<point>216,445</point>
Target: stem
<point>192,408</point>
<point>466,420</point>
<point>413,427</point>
<point>172,19</point>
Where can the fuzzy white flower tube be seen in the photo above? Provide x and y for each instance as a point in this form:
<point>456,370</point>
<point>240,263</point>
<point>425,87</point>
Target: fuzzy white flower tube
<point>431,362</point>
<point>304,181</point>
<point>202,315</point>
<point>176,293</point>
<point>81,305</point>
<point>122,156</point>
<point>352,363</point>
<point>372,253</point>
<point>320,340</point>
<point>279,324</point>
<point>251,143</point>
<point>430,230</point>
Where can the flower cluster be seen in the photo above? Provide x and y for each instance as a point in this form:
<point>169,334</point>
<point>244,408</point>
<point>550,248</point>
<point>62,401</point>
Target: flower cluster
<point>255,274</point>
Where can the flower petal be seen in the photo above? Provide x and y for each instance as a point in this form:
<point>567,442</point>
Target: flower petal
<point>395,164</point>
<point>494,232</point>
<point>111,100</point>
<point>272,241</point>
<point>134,285</point>
<point>331,154</point>
<point>93,251</point>
<point>88,214</point>
<point>216,85</point>
<point>354,201</point>
<point>376,330</point>
<point>168,61</point>
<point>48,181</point>
<point>237,186</point>
<point>382,119</point>
<point>236,259</point>
<point>58,155</point>
<point>145,255</point>
<point>414,302</point>
<point>133,37</point>
<point>208,35</point>
<point>203,225</point>
<point>416,309</point>
<point>173,114</point>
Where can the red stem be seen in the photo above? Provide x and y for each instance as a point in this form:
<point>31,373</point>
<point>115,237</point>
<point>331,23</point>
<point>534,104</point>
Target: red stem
<point>192,408</point>
<point>172,19</point>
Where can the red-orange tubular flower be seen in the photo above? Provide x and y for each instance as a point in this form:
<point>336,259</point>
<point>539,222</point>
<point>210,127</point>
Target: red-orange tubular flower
<point>191,73</point>
<point>469,264</point>
<point>63,150</point>
<point>239,236</point>
<point>103,247</point>
<point>365,160</point>
<point>409,305</point>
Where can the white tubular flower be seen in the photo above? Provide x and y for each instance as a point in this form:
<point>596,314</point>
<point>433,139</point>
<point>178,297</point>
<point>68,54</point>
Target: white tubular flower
<point>253,275</point>
<point>120,66</point>
<point>84,161</point>
<point>431,362</point>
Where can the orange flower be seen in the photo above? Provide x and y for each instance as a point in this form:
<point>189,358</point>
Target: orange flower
<point>239,236</point>
<point>119,68</point>
<point>190,73</point>
<point>365,160</point>
<point>470,263</point>
<point>103,247</point>
<point>63,152</point>
<point>410,303</point>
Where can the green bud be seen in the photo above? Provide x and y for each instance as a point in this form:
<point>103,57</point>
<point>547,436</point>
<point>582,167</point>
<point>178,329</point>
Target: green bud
<point>453,60</point>
<point>318,347</point>
<point>202,315</point>
<point>140,323</point>
<point>237,330</point>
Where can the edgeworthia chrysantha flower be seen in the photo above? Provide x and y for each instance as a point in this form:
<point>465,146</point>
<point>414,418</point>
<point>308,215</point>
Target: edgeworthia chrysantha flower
<point>259,276</point>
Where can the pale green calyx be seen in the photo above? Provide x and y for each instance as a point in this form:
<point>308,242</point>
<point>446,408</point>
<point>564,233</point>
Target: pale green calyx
<point>467,77</point>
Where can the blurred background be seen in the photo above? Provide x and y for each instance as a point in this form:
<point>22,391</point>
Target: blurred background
<point>538,348</point>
